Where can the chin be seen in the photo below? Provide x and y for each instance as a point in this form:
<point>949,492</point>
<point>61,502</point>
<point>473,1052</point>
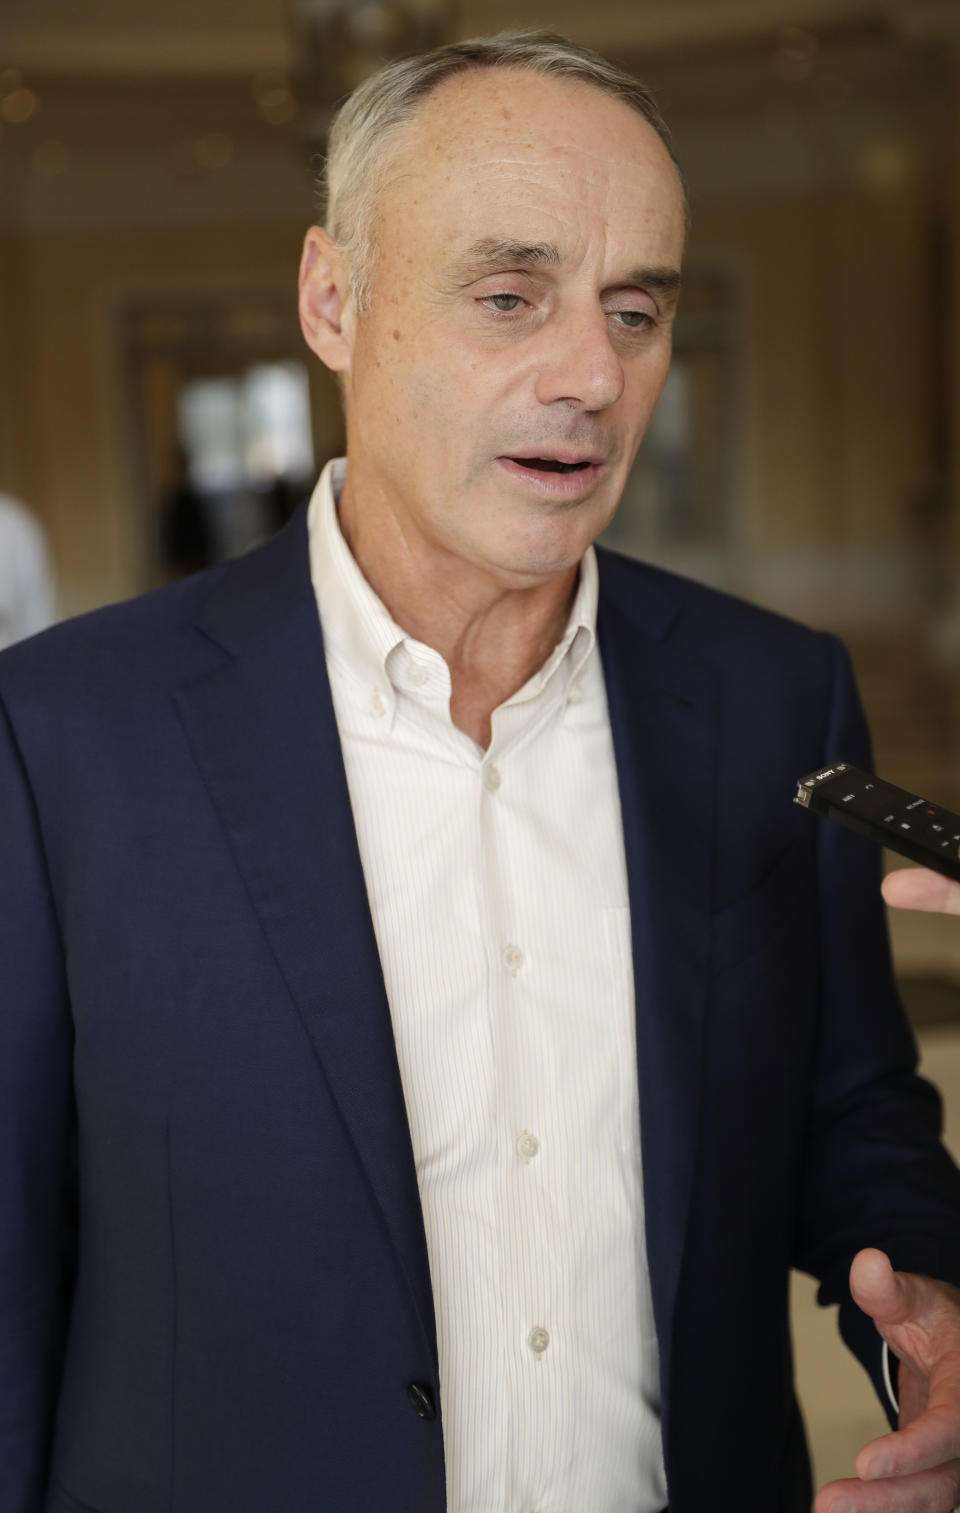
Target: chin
<point>552,551</point>
<point>540,563</point>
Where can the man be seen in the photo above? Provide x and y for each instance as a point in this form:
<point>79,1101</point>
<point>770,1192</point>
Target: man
<point>432,1033</point>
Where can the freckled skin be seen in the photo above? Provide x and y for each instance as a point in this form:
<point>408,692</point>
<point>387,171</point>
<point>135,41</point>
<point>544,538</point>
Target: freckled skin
<point>439,383</point>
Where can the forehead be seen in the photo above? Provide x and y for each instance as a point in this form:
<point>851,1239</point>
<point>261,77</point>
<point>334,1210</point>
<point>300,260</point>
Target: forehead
<point>508,152</point>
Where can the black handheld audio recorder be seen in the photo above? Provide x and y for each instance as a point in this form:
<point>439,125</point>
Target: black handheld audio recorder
<point>924,832</point>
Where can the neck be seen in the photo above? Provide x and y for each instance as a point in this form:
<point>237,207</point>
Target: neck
<point>492,634</point>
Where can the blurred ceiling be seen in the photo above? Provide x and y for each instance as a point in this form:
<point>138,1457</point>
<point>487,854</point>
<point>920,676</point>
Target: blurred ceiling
<point>138,111</point>
<point>204,36</point>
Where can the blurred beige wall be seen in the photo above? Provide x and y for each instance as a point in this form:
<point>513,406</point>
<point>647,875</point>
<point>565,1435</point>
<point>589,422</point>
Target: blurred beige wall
<point>835,372</point>
<point>66,425</point>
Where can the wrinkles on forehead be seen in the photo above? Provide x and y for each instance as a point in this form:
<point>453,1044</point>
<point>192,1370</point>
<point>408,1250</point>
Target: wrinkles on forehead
<point>571,172</point>
<point>531,199</point>
<point>517,119</point>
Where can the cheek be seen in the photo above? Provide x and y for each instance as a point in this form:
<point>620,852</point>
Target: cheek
<point>439,390</point>
<point>408,410</point>
<point>383,381</point>
<point>649,384</point>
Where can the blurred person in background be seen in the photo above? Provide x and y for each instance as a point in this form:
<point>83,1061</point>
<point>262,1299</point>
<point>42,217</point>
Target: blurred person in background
<point>27,590</point>
<point>429,1034</point>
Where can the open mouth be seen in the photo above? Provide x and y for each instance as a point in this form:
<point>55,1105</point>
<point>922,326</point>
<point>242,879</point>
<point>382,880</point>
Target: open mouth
<point>549,465</point>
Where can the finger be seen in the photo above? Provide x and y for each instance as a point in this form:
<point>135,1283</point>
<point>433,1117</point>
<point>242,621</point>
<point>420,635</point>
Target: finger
<point>929,1434</point>
<point>936,1491</point>
<point>888,1296</point>
<point>918,888</point>
<point>929,1441</point>
<point>918,1317</point>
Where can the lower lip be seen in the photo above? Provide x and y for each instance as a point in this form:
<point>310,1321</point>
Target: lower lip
<point>553,485</point>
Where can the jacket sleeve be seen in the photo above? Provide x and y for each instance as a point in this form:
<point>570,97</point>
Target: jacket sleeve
<point>875,1170</point>
<point>37,1145</point>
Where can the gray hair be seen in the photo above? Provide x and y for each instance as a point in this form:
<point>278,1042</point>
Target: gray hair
<point>368,122</point>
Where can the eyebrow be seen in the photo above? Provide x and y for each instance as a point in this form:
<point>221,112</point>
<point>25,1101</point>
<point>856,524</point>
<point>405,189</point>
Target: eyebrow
<point>492,254</point>
<point>666,281</point>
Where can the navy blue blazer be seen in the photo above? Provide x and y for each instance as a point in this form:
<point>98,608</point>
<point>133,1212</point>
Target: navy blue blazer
<point>214,1291</point>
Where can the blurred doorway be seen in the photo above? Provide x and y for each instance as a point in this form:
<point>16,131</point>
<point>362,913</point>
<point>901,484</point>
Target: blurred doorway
<point>219,419</point>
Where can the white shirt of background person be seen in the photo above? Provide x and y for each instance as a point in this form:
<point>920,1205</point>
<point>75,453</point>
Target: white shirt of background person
<point>27,588</point>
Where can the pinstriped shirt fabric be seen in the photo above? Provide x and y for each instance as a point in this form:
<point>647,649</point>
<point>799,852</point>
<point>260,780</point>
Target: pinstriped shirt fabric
<point>497,885</point>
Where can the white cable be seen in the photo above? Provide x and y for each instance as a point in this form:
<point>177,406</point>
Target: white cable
<point>888,1379</point>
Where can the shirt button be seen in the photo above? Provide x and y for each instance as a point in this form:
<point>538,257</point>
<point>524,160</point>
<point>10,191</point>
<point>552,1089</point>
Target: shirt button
<point>538,1339</point>
<point>377,705</point>
<point>527,1146</point>
<point>417,674</point>
<point>491,778</point>
<point>513,959</point>
<point>575,693</point>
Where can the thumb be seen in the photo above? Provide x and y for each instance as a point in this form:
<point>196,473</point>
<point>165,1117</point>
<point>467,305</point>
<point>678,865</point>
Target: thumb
<point>886,1295</point>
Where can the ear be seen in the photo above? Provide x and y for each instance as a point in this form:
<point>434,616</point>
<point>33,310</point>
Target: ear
<point>326,303</point>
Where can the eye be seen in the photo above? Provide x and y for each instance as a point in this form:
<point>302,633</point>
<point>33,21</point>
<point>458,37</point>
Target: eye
<point>505,303</point>
<point>634,320</point>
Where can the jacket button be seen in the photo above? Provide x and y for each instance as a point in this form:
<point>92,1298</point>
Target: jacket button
<point>421,1397</point>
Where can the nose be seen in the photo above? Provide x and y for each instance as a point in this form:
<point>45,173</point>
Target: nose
<point>578,362</point>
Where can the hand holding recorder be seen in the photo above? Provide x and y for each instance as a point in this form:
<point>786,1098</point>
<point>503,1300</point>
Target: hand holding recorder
<point>925,832</point>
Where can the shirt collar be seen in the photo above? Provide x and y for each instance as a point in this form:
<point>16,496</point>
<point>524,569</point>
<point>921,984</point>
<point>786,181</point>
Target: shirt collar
<point>360,634</point>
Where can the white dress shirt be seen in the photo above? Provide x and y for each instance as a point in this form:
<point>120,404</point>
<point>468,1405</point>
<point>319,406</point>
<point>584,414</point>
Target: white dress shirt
<point>497,885</point>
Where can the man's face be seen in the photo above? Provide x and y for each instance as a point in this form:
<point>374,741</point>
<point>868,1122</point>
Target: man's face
<point>518,335</point>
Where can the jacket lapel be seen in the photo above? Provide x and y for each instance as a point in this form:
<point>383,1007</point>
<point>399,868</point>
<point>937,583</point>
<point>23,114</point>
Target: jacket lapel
<point>262,729</point>
<point>663,719</point>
